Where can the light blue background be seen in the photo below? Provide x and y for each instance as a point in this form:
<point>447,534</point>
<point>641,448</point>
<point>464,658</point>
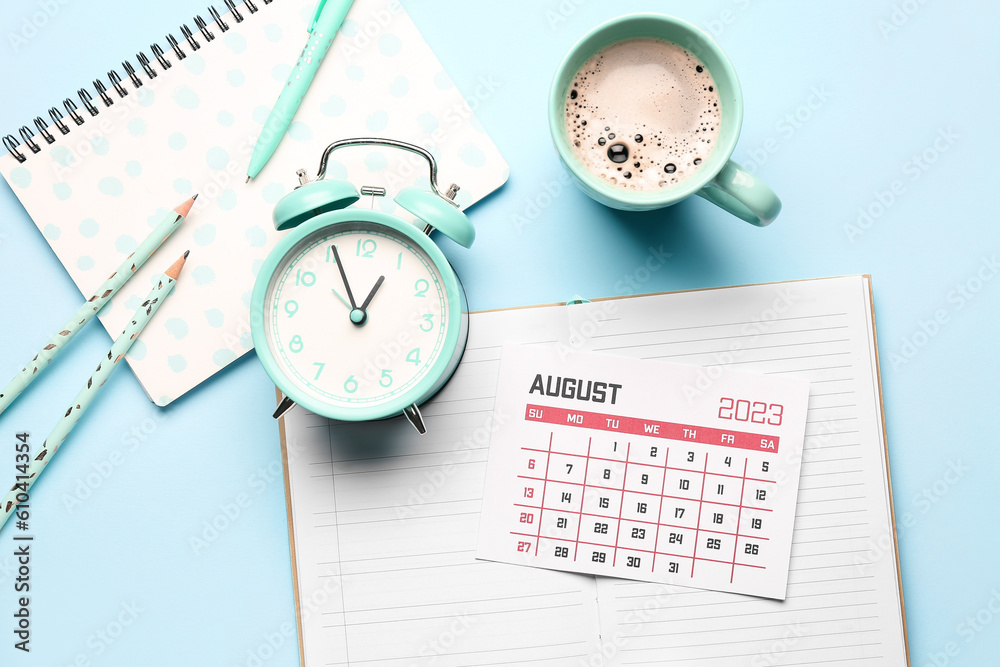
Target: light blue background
<point>879,98</point>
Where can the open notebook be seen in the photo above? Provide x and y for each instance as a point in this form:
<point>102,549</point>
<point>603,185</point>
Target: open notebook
<point>383,522</point>
<point>147,143</point>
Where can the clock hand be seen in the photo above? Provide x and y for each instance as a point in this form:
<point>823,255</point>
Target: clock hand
<point>343,276</point>
<point>337,294</point>
<point>371,295</point>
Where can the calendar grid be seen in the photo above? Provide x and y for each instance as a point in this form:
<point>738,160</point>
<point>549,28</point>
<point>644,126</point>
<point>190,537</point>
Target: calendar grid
<point>583,495</point>
<point>697,525</point>
<point>621,505</point>
<point>648,523</point>
<point>647,465</point>
<point>659,513</point>
<point>627,461</point>
<point>645,493</point>
<point>649,551</point>
<point>739,515</point>
<point>538,538</point>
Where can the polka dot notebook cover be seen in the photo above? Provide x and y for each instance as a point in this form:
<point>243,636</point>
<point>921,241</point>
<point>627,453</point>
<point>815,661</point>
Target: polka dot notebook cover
<point>192,128</point>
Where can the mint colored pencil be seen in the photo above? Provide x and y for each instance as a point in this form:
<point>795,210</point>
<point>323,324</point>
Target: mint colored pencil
<point>88,310</point>
<point>28,474</point>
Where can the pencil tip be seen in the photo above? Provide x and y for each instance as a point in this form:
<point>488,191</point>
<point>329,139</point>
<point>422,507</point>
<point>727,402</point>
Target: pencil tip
<point>185,208</point>
<point>194,196</point>
<point>175,269</point>
<point>248,179</point>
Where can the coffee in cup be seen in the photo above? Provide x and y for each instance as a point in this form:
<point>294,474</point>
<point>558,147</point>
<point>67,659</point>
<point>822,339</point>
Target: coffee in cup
<point>642,114</point>
<point>669,96</point>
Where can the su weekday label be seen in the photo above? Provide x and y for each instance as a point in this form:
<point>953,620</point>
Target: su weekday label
<point>635,469</point>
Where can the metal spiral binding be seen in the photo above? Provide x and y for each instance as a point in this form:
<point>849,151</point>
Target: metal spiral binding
<point>87,100</point>
<point>189,36</point>
<point>103,92</point>
<point>47,131</point>
<point>231,6</point>
<point>44,130</point>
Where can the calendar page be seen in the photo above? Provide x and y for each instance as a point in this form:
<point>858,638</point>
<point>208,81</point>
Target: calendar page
<point>644,470</point>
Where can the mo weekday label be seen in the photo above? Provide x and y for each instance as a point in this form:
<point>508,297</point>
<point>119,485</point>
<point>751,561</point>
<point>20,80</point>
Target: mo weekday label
<point>632,468</point>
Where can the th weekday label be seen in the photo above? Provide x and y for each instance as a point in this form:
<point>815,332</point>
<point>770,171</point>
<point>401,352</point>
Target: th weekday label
<point>644,470</point>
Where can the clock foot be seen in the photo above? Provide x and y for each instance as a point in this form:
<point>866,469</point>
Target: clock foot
<point>413,414</point>
<point>283,407</point>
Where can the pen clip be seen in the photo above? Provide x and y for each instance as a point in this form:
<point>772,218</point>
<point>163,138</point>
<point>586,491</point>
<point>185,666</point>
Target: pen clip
<point>319,10</point>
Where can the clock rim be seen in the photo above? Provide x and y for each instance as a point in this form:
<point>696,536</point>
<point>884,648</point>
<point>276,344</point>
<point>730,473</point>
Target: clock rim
<point>451,349</point>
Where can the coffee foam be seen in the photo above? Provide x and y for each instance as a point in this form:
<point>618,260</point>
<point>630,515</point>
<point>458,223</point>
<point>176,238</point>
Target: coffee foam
<point>643,114</point>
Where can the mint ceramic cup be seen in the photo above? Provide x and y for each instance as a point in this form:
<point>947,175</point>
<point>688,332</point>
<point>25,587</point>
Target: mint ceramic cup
<point>719,179</point>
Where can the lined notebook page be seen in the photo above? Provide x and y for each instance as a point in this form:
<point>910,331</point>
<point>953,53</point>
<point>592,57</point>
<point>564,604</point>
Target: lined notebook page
<point>844,605</point>
<point>385,524</point>
<point>385,534</point>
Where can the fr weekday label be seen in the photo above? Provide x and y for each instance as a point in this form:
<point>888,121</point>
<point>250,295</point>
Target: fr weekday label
<point>644,470</point>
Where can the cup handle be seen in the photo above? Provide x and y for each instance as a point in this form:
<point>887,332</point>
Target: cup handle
<point>739,192</point>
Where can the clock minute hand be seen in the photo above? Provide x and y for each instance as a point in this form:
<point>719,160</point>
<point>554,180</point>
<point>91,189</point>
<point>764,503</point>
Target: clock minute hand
<point>343,276</point>
<point>371,295</point>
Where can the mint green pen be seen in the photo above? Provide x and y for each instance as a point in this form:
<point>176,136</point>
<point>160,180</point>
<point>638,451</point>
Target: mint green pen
<point>326,21</point>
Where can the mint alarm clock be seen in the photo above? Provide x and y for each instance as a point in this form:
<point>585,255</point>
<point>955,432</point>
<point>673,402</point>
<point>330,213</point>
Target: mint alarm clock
<point>356,314</point>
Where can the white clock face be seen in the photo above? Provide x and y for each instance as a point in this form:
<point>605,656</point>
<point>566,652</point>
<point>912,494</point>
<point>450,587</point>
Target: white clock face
<point>361,343</point>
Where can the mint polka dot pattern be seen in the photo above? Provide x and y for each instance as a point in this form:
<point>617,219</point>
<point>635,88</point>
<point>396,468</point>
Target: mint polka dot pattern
<point>20,177</point>
<point>111,186</point>
<point>89,228</point>
<point>62,191</point>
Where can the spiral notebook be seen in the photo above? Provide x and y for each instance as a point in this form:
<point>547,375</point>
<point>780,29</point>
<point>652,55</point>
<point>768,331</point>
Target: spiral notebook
<point>183,118</point>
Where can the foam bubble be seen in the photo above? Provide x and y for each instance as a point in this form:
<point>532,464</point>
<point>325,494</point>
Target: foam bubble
<point>655,100</point>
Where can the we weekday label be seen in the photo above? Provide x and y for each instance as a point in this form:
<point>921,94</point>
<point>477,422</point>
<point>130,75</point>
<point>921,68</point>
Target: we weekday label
<point>641,469</point>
